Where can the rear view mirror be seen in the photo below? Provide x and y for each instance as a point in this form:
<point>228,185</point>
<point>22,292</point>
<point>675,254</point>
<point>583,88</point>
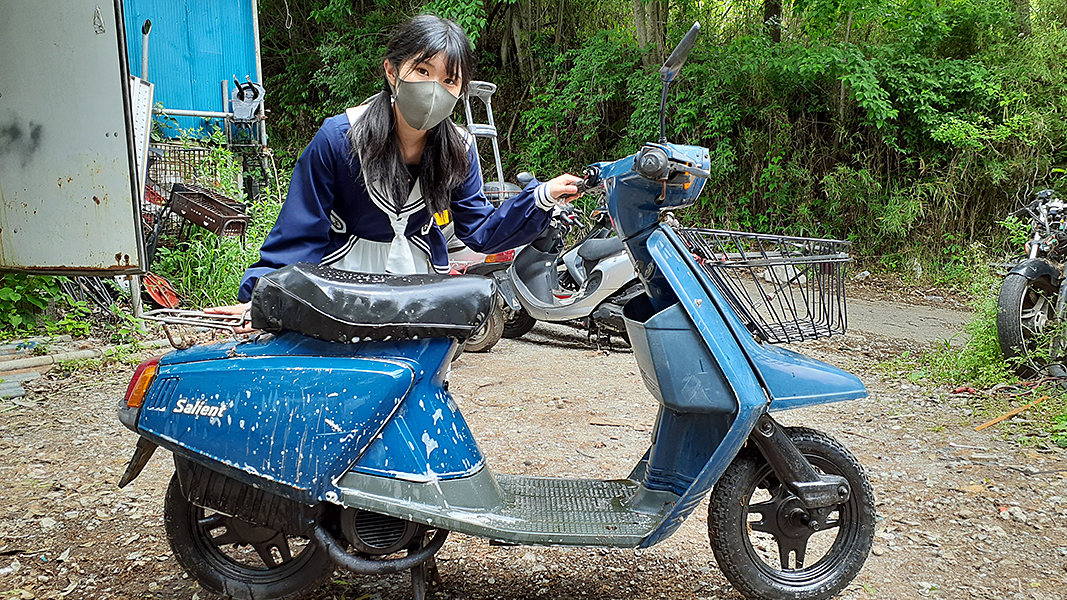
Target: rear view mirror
<point>673,65</point>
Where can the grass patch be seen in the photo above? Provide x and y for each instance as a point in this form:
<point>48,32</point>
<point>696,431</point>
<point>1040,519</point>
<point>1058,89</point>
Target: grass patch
<point>979,364</point>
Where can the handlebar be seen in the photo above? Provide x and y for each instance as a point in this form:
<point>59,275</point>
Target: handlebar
<point>590,179</point>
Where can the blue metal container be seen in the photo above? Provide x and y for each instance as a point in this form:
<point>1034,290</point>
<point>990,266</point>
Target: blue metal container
<point>194,45</point>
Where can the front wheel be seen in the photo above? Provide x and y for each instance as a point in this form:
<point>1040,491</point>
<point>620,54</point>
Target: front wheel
<point>236,559</point>
<point>518,323</point>
<point>1025,321</point>
<point>769,546</point>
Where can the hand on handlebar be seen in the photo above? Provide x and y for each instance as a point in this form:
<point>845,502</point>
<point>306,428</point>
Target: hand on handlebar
<point>235,309</point>
<point>566,187</point>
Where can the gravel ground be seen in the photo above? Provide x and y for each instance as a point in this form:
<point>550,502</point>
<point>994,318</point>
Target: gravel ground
<point>961,514</point>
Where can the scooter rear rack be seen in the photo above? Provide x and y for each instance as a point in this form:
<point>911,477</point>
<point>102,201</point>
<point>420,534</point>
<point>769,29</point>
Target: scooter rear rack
<point>174,317</point>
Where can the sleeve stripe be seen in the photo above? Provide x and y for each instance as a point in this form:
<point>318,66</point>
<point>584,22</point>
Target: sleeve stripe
<point>544,200</point>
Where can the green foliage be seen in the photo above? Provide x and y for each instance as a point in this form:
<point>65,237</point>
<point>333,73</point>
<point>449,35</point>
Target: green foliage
<point>1059,429</point>
<point>22,300</point>
<point>75,320</point>
<point>221,170</point>
<point>127,329</point>
<point>468,15</point>
<point>205,269</point>
<point>979,363</point>
<point>1018,233</point>
<point>583,111</point>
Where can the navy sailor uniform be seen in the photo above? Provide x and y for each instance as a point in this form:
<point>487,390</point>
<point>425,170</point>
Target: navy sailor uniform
<point>329,210</point>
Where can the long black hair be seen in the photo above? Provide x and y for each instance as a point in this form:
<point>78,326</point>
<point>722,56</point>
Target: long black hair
<point>445,162</point>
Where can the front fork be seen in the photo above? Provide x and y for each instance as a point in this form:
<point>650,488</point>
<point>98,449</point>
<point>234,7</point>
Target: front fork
<point>814,489</point>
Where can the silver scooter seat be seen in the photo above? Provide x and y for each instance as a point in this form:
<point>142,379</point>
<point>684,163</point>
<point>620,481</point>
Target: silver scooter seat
<point>594,250</point>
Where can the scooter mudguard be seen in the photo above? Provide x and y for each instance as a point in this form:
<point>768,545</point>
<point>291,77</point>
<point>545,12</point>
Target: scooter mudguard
<point>1036,268</point>
<point>294,412</point>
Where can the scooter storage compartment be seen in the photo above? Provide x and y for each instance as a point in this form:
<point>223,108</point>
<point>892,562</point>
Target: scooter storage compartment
<point>675,364</point>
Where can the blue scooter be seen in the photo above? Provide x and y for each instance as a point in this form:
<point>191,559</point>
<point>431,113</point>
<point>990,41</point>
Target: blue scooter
<point>331,441</point>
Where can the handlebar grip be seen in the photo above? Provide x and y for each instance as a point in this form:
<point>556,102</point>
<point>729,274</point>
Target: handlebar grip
<point>590,180</point>
<point>582,187</point>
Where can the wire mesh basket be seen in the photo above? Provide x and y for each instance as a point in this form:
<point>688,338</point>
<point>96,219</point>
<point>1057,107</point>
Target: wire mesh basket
<point>178,164</point>
<point>208,209</point>
<point>784,289</point>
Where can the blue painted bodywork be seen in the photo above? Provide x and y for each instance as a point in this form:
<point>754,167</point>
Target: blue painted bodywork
<point>299,412</point>
<point>760,377</point>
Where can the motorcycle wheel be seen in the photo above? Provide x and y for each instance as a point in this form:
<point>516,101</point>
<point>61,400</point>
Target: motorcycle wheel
<point>236,559</point>
<point>518,324</point>
<point>759,531</point>
<point>488,334</point>
<point>1025,316</point>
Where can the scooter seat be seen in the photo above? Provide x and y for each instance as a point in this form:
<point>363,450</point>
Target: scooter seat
<point>598,249</point>
<point>342,306</point>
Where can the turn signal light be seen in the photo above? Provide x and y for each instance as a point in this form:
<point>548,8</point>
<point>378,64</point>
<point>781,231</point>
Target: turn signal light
<point>499,257</point>
<point>142,379</point>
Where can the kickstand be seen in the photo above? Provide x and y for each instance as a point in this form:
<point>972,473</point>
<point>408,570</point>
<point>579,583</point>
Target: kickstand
<point>598,336</point>
<point>424,577</point>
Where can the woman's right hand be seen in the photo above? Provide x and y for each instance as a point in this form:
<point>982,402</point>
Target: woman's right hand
<point>244,309</point>
<point>564,187</point>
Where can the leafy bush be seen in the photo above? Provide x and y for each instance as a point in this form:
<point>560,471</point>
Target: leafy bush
<point>22,300</point>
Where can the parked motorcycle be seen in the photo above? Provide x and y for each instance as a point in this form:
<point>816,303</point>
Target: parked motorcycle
<point>586,284</point>
<point>1031,302</point>
<point>464,261</point>
<point>332,440</point>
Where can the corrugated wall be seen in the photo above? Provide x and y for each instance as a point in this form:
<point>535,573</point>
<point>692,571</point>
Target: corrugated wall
<point>193,46</point>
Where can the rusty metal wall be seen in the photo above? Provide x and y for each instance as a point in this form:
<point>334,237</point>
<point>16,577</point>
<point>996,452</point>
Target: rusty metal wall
<point>67,202</point>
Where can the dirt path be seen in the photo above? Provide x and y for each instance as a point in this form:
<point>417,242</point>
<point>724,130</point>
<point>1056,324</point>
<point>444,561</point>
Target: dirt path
<point>961,514</point>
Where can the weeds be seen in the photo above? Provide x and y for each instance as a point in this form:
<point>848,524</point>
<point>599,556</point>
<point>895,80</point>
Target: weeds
<point>206,270</point>
<point>980,364</point>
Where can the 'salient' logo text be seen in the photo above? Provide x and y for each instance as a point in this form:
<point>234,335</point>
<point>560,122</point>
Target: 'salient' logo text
<point>199,408</point>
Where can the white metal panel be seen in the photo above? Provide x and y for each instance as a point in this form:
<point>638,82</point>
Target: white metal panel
<point>67,172</point>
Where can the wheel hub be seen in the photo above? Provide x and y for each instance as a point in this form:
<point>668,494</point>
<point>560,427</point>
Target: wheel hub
<point>794,521</point>
<point>248,533</point>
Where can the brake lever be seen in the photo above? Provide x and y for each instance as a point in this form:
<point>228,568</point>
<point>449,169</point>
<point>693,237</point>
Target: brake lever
<point>694,171</point>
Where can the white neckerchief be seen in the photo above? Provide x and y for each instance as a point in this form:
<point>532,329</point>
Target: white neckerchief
<point>400,260</point>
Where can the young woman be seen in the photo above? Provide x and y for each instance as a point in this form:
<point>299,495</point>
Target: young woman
<point>364,191</point>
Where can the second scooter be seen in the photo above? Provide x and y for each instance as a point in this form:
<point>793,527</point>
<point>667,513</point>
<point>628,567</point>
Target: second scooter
<point>586,284</point>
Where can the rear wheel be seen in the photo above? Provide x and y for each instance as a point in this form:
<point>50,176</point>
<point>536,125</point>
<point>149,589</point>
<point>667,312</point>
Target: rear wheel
<point>236,559</point>
<point>1026,320</point>
<point>769,546</point>
<point>518,323</point>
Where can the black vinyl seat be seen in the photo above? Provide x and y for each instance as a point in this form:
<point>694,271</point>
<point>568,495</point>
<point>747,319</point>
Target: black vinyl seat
<point>342,306</point>
<point>594,250</point>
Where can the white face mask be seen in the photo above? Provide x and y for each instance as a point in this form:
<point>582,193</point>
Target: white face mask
<point>424,104</point>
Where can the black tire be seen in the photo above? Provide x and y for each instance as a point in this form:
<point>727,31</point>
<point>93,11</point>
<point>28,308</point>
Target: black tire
<point>518,324</point>
<point>749,552</point>
<point>1025,317</point>
<point>233,564</point>
<point>488,334</point>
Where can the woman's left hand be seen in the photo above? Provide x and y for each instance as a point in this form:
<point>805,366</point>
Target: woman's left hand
<point>564,185</point>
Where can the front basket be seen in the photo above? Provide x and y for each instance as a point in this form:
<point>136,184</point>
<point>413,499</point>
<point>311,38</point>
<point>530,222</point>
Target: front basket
<point>784,289</point>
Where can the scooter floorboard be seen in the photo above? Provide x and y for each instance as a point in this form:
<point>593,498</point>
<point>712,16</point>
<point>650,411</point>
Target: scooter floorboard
<point>578,507</point>
<point>518,509</point>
